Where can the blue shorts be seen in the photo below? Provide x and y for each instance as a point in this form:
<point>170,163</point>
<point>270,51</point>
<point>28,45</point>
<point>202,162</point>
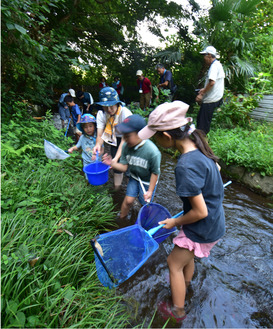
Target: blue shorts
<point>134,190</point>
<point>64,113</point>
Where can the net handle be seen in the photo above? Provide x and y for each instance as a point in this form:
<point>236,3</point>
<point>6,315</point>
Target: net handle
<point>143,189</point>
<point>151,232</point>
<point>112,278</point>
<point>67,127</point>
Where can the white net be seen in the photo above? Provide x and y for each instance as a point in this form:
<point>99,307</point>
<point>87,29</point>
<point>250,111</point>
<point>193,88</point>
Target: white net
<point>54,152</point>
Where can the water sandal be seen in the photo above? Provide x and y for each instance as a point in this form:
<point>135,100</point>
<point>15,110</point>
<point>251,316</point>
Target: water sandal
<point>167,311</point>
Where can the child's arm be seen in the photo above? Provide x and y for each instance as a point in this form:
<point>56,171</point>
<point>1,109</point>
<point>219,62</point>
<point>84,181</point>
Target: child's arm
<point>149,193</point>
<point>118,154</point>
<point>79,118</point>
<point>199,211</point>
<point>74,148</point>
<point>107,159</point>
<point>99,142</point>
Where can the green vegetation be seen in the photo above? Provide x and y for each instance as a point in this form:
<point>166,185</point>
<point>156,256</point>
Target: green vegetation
<point>235,137</point>
<point>49,215</point>
<point>52,45</point>
<point>251,149</point>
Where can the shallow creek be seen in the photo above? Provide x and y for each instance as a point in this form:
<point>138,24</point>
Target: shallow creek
<point>232,288</point>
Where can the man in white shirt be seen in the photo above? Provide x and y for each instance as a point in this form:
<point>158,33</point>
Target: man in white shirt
<point>211,96</point>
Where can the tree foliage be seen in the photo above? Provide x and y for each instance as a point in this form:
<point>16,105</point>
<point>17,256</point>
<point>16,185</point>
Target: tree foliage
<point>43,39</point>
<point>52,45</point>
<point>234,27</point>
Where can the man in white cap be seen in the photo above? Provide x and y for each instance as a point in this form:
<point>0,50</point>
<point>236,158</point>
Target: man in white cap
<point>145,90</point>
<point>63,107</point>
<point>211,96</point>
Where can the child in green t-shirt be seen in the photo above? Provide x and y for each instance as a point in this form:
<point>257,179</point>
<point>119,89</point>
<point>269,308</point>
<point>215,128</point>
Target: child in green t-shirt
<point>142,158</point>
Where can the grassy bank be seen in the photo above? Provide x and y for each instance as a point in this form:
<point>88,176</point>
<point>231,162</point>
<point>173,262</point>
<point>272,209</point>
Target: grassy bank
<point>49,215</point>
<point>249,148</point>
<point>234,137</point>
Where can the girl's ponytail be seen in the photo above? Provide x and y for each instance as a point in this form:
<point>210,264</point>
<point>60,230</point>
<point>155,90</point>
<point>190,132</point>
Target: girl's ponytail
<point>200,140</point>
<point>197,136</point>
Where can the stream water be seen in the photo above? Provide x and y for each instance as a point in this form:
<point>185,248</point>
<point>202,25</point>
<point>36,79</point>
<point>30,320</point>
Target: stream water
<point>233,287</point>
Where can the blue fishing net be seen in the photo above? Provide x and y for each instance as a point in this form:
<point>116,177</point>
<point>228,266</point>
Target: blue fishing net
<point>149,216</point>
<point>124,252</point>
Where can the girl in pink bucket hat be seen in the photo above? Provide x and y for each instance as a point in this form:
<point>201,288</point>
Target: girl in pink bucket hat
<point>200,187</point>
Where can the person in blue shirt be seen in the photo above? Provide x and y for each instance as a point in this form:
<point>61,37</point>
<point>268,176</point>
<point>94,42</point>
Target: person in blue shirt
<point>75,113</point>
<point>200,187</point>
<point>63,107</point>
<point>165,80</point>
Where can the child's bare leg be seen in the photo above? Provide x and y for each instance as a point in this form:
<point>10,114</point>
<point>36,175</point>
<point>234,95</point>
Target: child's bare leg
<point>188,272</point>
<point>126,205</point>
<point>179,260</point>
<point>117,180</point>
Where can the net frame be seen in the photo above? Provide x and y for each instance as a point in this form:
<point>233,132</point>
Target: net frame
<point>124,251</point>
<point>53,152</point>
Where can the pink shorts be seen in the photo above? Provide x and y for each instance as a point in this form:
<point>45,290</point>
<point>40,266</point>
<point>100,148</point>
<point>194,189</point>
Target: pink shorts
<point>200,249</point>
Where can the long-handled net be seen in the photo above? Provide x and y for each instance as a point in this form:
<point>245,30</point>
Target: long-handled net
<point>54,152</point>
<point>149,216</point>
<point>119,254</point>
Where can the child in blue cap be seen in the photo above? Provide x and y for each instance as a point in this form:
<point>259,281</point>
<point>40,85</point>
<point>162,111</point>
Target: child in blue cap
<point>87,141</point>
<point>142,158</point>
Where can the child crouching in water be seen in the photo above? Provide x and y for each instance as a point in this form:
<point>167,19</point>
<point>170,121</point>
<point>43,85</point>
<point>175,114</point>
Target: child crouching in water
<point>87,141</point>
<point>200,187</point>
<point>141,157</point>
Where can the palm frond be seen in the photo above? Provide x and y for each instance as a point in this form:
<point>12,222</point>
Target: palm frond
<point>242,67</point>
<point>169,56</point>
<point>246,7</point>
<point>221,10</point>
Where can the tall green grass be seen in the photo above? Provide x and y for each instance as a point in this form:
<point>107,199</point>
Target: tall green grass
<point>251,149</point>
<point>47,218</point>
<point>49,215</point>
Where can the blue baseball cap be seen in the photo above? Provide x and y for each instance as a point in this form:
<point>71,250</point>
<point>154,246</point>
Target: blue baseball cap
<point>86,118</point>
<point>108,97</point>
<point>132,123</point>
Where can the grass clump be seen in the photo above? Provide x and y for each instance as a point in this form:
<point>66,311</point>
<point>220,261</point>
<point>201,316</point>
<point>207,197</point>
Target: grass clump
<point>251,149</point>
<point>49,215</point>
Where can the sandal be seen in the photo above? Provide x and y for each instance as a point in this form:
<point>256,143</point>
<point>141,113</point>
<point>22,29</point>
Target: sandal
<point>167,311</point>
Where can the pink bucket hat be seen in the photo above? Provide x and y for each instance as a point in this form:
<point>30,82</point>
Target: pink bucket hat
<point>165,117</point>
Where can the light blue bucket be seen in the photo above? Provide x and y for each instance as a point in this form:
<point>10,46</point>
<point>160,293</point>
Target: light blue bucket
<point>97,173</point>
